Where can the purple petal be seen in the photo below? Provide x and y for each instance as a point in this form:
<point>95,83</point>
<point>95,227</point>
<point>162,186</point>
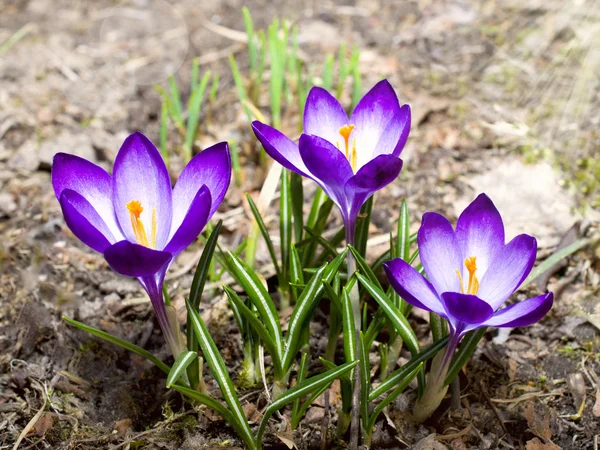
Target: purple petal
<point>523,313</point>
<point>140,174</point>
<point>439,252</point>
<point>373,176</point>
<point>379,122</point>
<point>280,148</point>
<point>466,308</point>
<point>92,182</point>
<point>212,168</point>
<point>412,286</point>
<point>395,134</point>
<point>134,260</point>
<point>193,222</point>
<point>507,270</point>
<point>329,167</point>
<point>480,233</point>
<point>84,221</point>
<point>324,116</point>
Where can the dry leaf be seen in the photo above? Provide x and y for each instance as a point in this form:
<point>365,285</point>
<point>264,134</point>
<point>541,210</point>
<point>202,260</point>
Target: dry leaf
<point>596,409</point>
<point>287,439</point>
<point>536,444</point>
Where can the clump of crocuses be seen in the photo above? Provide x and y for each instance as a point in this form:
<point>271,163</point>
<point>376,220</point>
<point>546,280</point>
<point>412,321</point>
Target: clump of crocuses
<point>471,274</point>
<point>135,218</point>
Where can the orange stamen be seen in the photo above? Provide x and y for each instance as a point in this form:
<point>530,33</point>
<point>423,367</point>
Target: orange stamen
<point>135,210</point>
<point>345,133</point>
<point>471,265</point>
<point>153,234</point>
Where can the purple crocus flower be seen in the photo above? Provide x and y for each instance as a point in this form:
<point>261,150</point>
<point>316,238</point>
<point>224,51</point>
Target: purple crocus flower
<point>350,158</point>
<point>471,272</point>
<point>134,217</point>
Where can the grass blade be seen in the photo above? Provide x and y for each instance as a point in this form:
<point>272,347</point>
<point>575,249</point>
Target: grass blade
<point>362,227</point>
<point>248,316</point>
<point>395,316</point>
<point>120,342</point>
<point>179,366</point>
<point>194,114</point>
<point>219,371</point>
<point>364,268</point>
<point>397,376</point>
<point>297,203</point>
<point>164,127</point>
<point>239,84</point>
<point>258,295</point>
<point>300,390</point>
<point>348,327</point>
<point>285,228</point>
<point>265,234</point>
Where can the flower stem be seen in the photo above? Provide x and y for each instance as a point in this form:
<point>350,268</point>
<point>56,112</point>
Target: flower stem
<point>435,389</point>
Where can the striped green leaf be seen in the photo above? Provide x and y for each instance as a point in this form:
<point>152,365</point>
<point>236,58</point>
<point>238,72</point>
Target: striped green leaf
<point>219,371</point>
<point>258,295</point>
<point>120,342</point>
<point>300,390</point>
<point>179,366</point>
<point>265,233</point>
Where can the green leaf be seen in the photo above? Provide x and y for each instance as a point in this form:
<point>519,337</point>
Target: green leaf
<point>328,73</point>
<point>391,397</point>
<point>265,235</point>
<point>362,227</point>
<point>348,326</point>
<point>194,114</point>
<point>285,227</point>
<point>204,399</point>
<point>302,370</point>
<point>181,364</point>
<point>467,347</point>
<point>300,390</point>
<point>365,381</point>
<point>239,84</point>
<point>323,242</point>
<point>258,326</point>
<point>364,268</point>
<point>164,125</point>
<point>201,274</point>
<point>398,375</point>
<point>306,304</point>
<point>175,101</point>
<point>258,295</point>
<point>214,88</point>
<point>296,273</point>
<point>395,316</point>
<point>120,342</point>
<point>219,371</point>
<point>252,50</point>
<point>196,291</point>
<point>297,203</point>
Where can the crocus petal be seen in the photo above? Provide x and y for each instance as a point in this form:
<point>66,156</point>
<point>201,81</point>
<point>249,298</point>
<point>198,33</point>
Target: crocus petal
<point>134,260</point>
<point>92,182</point>
<point>439,252</point>
<point>329,167</point>
<point>84,221</point>
<point>523,313</point>
<point>141,174</point>
<point>212,168</point>
<point>373,176</point>
<point>466,308</point>
<point>371,118</point>
<point>507,270</point>
<point>395,134</point>
<point>324,116</point>
<point>193,222</point>
<point>480,233</point>
<point>280,148</point>
<point>412,286</point>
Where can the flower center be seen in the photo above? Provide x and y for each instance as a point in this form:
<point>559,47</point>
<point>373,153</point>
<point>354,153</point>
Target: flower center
<point>473,286</point>
<point>135,211</point>
<point>345,133</point>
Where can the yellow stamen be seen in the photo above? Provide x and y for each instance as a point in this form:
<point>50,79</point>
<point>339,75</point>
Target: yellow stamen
<point>135,211</point>
<point>471,265</point>
<point>353,161</point>
<point>345,133</point>
<point>153,234</point>
<point>473,286</point>
<point>462,288</point>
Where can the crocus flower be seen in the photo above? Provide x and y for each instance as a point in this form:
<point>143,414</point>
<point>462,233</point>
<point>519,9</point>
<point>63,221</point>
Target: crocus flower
<point>135,218</point>
<point>350,158</point>
<point>471,274</point>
